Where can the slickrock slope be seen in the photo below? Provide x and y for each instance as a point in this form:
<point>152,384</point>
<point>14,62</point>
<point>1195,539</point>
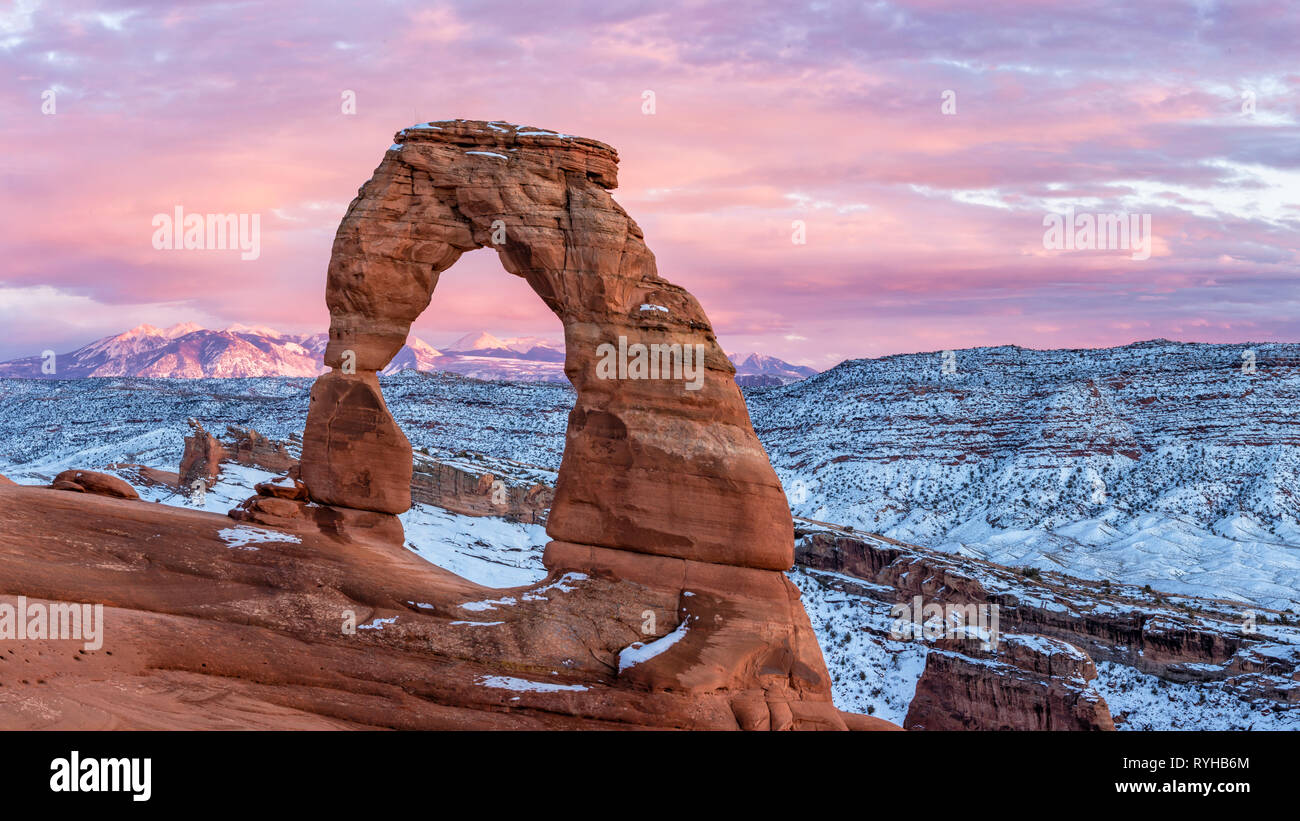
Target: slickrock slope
<point>210,623</point>
<point>665,606</point>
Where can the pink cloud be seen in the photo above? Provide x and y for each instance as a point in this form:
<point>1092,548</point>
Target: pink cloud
<point>924,230</point>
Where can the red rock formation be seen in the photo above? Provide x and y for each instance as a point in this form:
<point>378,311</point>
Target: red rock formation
<point>202,458</point>
<point>649,465</point>
<point>1026,683</point>
<point>665,499</point>
<point>89,481</point>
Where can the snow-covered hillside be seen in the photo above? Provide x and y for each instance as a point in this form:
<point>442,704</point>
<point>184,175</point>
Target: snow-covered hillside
<point>1159,462</point>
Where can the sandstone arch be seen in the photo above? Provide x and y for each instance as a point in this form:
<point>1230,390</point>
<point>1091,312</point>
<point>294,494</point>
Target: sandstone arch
<point>665,502</point>
<point>649,466</point>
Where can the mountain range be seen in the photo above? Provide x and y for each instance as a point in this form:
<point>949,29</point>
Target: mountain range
<point>189,351</point>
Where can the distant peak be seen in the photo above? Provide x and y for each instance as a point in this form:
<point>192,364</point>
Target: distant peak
<point>477,341</point>
<point>181,329</point>
<point>259,330</point>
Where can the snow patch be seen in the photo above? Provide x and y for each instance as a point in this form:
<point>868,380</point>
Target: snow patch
<point>243,536</point>
<point>523,685</point>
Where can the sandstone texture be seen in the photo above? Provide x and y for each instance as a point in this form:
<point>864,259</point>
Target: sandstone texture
<point>649,465</point>
<point>89,481</point>
<point>1025,683</point>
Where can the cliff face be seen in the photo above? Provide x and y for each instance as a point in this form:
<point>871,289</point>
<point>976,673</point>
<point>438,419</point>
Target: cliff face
<point>1027,683</point>
<point>1054,627</point>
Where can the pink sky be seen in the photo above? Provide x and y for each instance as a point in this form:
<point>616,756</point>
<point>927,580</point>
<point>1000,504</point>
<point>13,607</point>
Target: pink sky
<point>924,230</point>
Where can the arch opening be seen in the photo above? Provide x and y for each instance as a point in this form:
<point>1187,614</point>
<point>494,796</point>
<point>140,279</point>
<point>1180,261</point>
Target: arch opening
<point>650,465</point>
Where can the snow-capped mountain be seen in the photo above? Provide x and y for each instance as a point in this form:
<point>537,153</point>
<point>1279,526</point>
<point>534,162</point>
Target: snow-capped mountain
<point>189,351</point>
<point>181,351</point>
<point>528,348</point>
<point>756,370</point>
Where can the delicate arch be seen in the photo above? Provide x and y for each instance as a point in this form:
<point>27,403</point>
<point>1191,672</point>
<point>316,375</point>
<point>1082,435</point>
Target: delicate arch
<point>650,465</point>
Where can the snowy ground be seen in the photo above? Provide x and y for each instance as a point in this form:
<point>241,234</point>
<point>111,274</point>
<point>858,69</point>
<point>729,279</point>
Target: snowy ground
<point>49,427</point>
<point>488,551</point>
<point>1149,703</point>
<point>870,673</point>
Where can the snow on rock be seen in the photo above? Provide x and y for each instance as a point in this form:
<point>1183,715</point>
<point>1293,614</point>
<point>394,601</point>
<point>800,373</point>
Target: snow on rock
<point>523,685</point>
<point>564,584</point>
<point>1142,702</point>
<point>244,536</point>
<point>640,652</point>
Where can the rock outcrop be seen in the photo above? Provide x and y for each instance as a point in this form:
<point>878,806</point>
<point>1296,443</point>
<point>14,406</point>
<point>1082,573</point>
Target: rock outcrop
<point>248,447</point>
<point>667,516</point>
<point>1025,683</point>
<point>202,458</point>
<point>650,465</point>
<point>469,492</point>
<point>89,481</point>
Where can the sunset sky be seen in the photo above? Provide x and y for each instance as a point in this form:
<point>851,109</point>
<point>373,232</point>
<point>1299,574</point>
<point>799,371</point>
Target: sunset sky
<point>924,229</point>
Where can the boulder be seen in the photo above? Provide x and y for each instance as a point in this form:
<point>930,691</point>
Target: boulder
<point>89,481</point>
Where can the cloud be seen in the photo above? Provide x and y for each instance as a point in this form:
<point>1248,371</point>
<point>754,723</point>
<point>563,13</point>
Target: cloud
<point>923,229</point>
